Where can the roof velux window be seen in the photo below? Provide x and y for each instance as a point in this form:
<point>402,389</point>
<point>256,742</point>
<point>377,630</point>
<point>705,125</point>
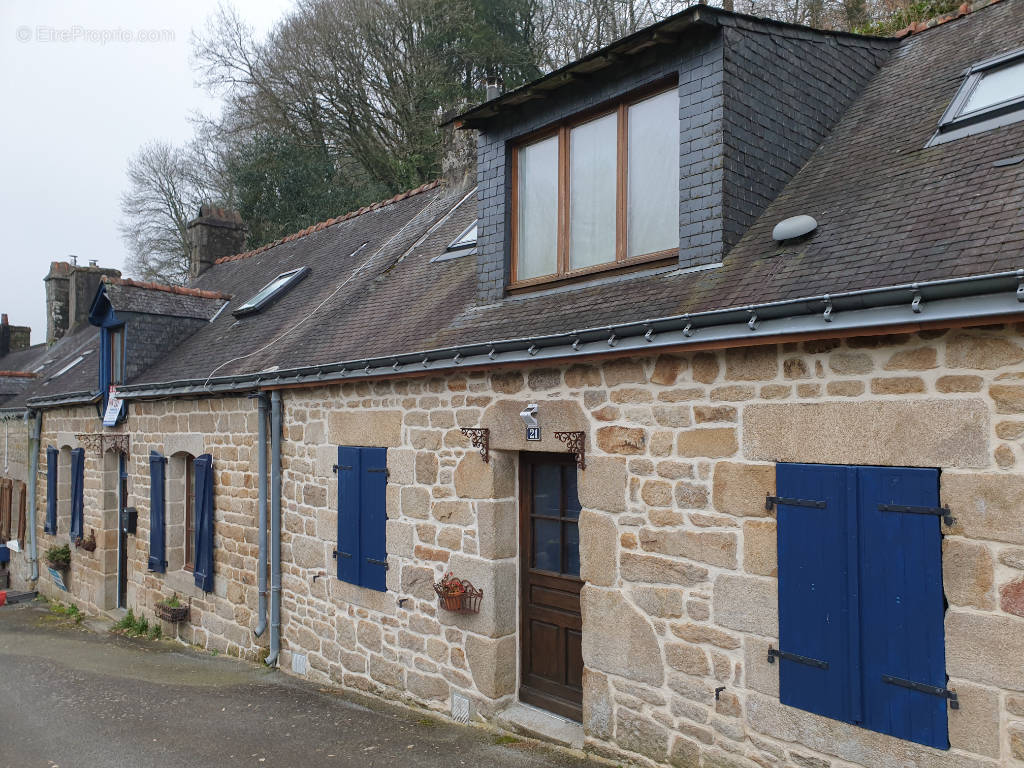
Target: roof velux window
<point>460,246</point>
<point>271,291</point>
<point>598,192</point>
<point>991,95</point>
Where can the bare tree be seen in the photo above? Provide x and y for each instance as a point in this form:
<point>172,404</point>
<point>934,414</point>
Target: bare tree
<point>164,193</point>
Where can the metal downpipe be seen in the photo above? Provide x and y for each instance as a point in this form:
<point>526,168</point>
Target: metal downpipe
<point>275,528</point>
<point>261,626</point>
<point>33,472</point>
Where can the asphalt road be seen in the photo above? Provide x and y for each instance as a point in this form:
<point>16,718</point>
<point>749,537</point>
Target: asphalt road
<point>72,696</point>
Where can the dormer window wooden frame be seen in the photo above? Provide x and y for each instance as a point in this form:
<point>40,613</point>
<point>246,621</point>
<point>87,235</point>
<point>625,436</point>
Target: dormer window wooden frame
<point>606,217</point>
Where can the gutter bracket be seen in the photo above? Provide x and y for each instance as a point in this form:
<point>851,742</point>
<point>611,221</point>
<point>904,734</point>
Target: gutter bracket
<point>915,305</point>
<point>827,316</point>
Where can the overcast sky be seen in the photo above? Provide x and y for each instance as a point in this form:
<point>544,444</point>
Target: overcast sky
<point>80,91</point>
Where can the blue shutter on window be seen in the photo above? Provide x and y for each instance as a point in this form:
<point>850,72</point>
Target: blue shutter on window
<point>51,490</point>
<point>902,608</point>
<point>348,551</point>
<point>203,548</point>
<point>77,492</point>
<point>362,517</point>
<point>373,520</point>
<point>817,561</point>
<point>157,542</point>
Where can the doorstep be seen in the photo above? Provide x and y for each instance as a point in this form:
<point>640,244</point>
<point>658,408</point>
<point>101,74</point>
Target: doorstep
<point>14,596</point>
<point>540,724</point>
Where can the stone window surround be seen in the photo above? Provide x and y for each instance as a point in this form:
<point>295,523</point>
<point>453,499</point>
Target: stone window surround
<point>175,509</point>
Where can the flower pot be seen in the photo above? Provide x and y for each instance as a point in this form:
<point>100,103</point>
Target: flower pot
<point>172,614</point>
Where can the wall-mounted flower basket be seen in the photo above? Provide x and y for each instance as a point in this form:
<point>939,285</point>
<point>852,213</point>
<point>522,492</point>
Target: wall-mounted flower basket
<point>89,545</point>
<point>172,610</point>
<point>458,595</point>
<point>59,557</point>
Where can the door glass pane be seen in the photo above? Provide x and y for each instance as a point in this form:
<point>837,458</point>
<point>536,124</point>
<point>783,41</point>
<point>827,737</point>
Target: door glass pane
<point>995,86</point>
<point>572,499</point>
<point>592,182</point>
<point>537,214</point>
<point>572,549</point>
<point>547,541</point>
<point>547,490</point>
<point>652,221</point>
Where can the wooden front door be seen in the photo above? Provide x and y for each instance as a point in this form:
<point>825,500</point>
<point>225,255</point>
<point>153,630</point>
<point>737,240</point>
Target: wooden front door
<point>552,654</point>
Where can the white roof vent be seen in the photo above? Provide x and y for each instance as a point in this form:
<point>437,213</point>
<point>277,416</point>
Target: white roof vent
<point>796,226</point>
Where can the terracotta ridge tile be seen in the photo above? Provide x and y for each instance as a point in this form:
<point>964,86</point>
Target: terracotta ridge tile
<point>18,374</point>
<point>331,222</point>
<point>180,290</point>
<point>966,8</point>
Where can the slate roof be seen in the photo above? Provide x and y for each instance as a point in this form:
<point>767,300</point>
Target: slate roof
<point>890,211</point>
<point>156,299</point>
<point>82,379</point>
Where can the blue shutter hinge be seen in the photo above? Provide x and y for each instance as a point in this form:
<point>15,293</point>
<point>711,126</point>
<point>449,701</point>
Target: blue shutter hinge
<point>944,512</point>
<point>336,467</point>
<point>336,554</point>
<point>932,690</point>
<point>770,502</point>
<point>774,653</point>
<point>383,563</point>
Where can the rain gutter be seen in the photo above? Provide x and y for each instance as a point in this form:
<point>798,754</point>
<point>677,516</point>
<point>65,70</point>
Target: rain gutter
<point>981,298</point>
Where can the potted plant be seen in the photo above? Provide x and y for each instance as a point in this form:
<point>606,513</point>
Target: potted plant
<point>59,557</point>
<point>171,609</point>
<point>89,545</point>
<point>457,595</point>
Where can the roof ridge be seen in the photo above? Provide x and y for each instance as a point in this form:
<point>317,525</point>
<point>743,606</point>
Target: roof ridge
<point>17,374</point>
<point>917,27</point>
<point>176,289</point>
<point>331,222</point>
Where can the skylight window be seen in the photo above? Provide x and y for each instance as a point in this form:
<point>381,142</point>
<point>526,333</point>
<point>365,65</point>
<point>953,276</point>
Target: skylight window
<point>992,95</point>
<point>68,367</point>
<point>271,291</point>
<point>460,246</point>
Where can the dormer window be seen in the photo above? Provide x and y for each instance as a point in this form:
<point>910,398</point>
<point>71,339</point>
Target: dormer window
<point>271,291</point>
<point>991,95</point>
<point>598,192</point>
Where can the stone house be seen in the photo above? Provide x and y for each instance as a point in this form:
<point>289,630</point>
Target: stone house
<point>739,492</point>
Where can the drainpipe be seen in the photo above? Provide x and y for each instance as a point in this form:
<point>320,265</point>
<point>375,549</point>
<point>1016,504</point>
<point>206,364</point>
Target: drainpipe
<point>275,527</point>
<point>262,403</point>
<point>33,471</point>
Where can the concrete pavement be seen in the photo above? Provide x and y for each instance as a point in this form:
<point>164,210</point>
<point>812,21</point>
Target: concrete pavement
<point>71,696</point>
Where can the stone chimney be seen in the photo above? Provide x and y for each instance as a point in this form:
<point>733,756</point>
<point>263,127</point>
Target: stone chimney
<point>13,337</point>
<point>70,290</point>
<point>83,284</point>
<point>57,309</point>
<point>215,233</point>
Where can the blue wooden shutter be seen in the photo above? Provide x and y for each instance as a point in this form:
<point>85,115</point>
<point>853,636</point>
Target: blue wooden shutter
<point>902,608</point>
<point>157,544</point>
<point>818,590</point>
<point>350,474</point>
<point>77,492</point>
<point>362,517</point>
<point>203,549</point>
<point>51,490</point>
<point>373,565</point>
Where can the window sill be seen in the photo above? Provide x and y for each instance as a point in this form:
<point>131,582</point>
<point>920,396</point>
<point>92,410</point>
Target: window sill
<point>659,259</point>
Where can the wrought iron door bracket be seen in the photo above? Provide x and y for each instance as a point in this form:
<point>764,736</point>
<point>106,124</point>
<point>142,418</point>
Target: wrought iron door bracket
<point>944,512</point>
<point>775,653</point>
<point>932,690</point>
<point>479,437</point>
<point>575,443</point>
<point>770,502</point>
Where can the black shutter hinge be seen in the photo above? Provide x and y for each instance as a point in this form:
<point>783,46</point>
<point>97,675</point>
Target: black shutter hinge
<point>336,554</point>
<point>775,653</point>
<point>337,467</point>
<point>385,470</point>
<point>944,512</point>
<point>383,563</point>
<point>932,690</point>
<point>771,501</point>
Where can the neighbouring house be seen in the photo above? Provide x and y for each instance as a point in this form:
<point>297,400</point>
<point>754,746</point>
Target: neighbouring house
<point>730,446</point>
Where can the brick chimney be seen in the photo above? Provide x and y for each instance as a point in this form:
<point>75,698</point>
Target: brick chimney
<point>215,233</point>
<point>13,337</point>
